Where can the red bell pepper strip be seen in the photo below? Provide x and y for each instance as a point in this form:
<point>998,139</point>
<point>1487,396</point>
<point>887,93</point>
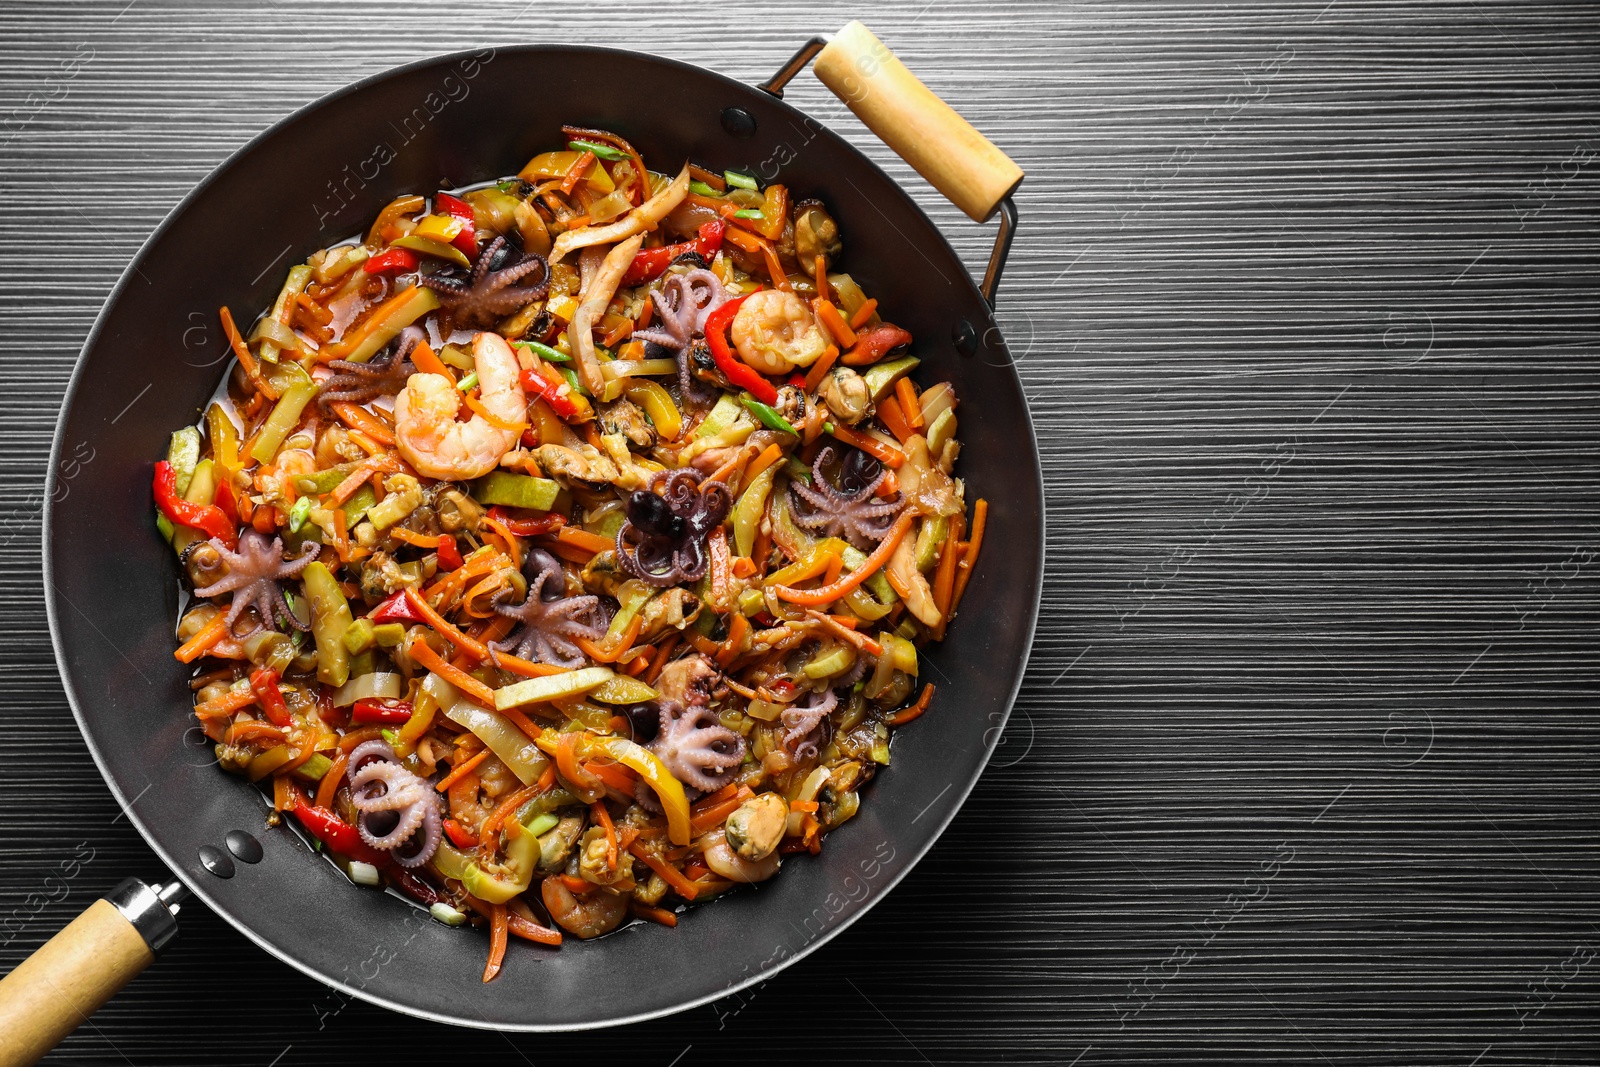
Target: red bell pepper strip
<point>740,375</point>
<point>227,501</point>
<point>392,261</point>
<point>396,609</point>
<point>556,394</point>
<point>264,684</point>
<point>449,554</point>
<point>455,207</point>
<point>459,836</point>
<point>344,839</point>
<point>543,524</point>
<point>380,711</point>
<point>207,518</point>
<point>874,344</point>
<point>653,262</point>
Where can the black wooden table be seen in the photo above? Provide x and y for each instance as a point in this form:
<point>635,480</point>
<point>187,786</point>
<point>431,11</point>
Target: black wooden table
<point>1304,300</point>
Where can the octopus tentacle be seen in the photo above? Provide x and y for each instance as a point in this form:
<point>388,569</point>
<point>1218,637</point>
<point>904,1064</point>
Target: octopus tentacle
<point>254,570</point>
<point>805,723</point>
<point>487,295</point>
<point>856,516</point>
<point>551,621</point>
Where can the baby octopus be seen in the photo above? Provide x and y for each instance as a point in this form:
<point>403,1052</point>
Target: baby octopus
<point>251,574</point>
<point>848,510</point>
<point>490,292</point>
<point>358,383</point>
<point>550,622</point>
<point>663,541</point>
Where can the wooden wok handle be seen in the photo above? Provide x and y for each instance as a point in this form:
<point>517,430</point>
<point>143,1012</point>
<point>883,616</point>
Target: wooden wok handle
<point>925,131</point>
<point>56,989</point>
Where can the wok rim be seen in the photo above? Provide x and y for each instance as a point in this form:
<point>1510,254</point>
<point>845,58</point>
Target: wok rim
<point>177,869</point>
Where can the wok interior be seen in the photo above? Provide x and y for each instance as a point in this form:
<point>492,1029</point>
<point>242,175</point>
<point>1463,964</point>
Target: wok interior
<point>157,355</point>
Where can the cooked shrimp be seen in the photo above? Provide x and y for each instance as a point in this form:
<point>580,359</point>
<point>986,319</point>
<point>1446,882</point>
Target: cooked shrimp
<point>586,916</point>
<point>775,332</point>
<point>425,427</point>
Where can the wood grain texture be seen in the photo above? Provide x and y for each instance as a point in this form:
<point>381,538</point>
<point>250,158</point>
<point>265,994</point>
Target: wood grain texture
<point>1304,300</point>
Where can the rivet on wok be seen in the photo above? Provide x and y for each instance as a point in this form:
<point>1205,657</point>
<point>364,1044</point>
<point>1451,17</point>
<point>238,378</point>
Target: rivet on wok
<point>216,861</point>
<point>244,846</point>
<point>738,122</point>
<point>964,337</point>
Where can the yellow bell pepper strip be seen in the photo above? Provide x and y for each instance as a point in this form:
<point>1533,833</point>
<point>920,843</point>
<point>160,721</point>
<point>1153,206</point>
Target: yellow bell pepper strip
<point>224,440</point>
<point>382,326</point>
<point>829,593</point>
<point>674,802</point>
<point>748,511</point>
<point>774,213</point>
<point>657,403</point>
<point>548,165</point>
<point>429,246</point>
<point>550,687</point>
<point>330,617</point>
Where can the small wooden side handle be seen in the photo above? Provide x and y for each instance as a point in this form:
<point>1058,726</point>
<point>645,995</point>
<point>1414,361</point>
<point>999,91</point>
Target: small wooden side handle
<point>57,988</point>
<point>925,131</point>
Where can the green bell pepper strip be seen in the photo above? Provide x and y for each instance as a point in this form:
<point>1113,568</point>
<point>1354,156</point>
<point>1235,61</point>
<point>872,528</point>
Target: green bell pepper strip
<point>545,352</point>
<point>285,415</point>
<point>747,512</point>
<point>499,882</point>
<point>330,618</point>
<point>769,417</point>
<point>516,491</point>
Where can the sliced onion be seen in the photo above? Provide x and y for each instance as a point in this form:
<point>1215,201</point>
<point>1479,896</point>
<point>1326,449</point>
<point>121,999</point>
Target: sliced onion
<point>808,791</point>
<point>368,686</point>
<point>610,206</point>
<point>363,873</point>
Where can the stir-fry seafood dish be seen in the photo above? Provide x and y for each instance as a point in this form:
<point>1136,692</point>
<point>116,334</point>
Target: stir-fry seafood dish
<point>560,552</point>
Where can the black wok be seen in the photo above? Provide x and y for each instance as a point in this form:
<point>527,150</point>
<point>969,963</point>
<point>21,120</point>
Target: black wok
<point>155,356</point>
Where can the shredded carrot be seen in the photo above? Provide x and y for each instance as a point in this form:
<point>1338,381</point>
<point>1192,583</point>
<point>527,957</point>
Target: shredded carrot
<point>821,367</point>
<point>835,567</point>
<point>840,329</point>
<point>669,874</point>
<point>863,313</point>
<point>909,403</point>
<point>803,805</point>
<point>583,539</point>
<point>353,481</point>
<point>209,635</point>
<point>457,677</point>
<point>742,239</point>
<point>499,927</point>
<point>743,567</point>
<point>603,817</point>
<point>891,457</point>
<point>737,631</point>
<point>664,654</point>
<point>890,412</point>
<point>706,817</point>
<point>328,788</point>
<point>360,736</point>
<point>980,518</point>
<point>411,537</point>
<point>819,269</point>
<point>461,770</point>
<point>428,362</point>
<point>841,627</point>
<point>654,914</point>
<point>827,594</point>
<point>477,408</point>
<point>597,651</point>
<point>502,812</point>
<point>769,455</point>
<point>359,418</point>
<point>253,730</point>
<point>353,339</point>
<point>575,173</point>
<point>623,329</point>
<point>711,178</point>
<point>532,931</point>
<point>614,775</point>
<point>703,644</point>
<point>226,704</point>
<point>900,718</point>
<point>775,271</point>
<point>726,472</point>
<point>889,486</point>
<point>241,351</point>
<point>445,629</point>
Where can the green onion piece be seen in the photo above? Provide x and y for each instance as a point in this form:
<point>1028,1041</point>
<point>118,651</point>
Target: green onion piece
<point>737,180</point>
<point>506,187</point>
<point>164,524</point>
<point>546,353</point>
<point>768,416</point>
<point>703,189</point>
<point>468,382</point>
<point>298,513</point>
<point>364,873</point>
<point>747,213</point>
<point>827,427</point>
<point>390,736</point>
<point>601,151</point>
<point>446,914</point>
